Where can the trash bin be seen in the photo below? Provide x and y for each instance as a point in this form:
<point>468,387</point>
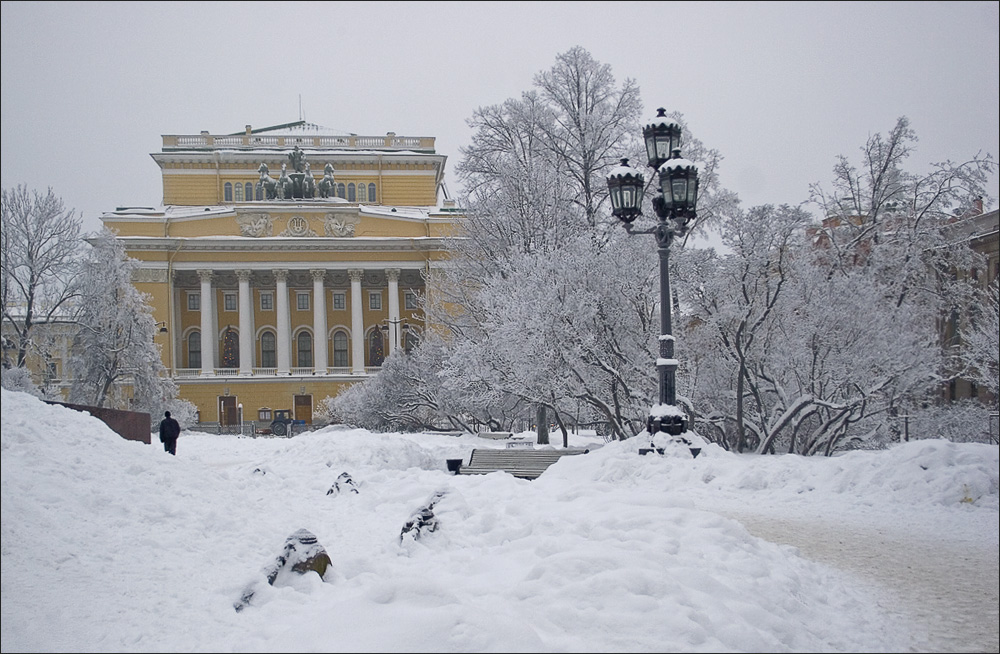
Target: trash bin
<point>454,465</point>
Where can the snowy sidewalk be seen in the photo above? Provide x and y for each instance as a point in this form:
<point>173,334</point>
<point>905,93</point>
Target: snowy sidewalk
<point>945,580</point>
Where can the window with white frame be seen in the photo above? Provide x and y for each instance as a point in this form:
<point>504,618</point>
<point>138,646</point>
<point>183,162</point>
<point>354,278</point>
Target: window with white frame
<point>340,359</point>
<point>194,301</point>
<point>268,356</point>
<point>229,301</point>
<point>302,301</point>
<point>339,301</point>
<point>410,300</point>
<point>305,355</point>
<point>375,300</point>
<point>266,301</point>
<point>238,192</point>
<point>194,350</point>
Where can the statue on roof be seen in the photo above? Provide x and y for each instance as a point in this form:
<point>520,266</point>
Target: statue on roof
<point>327,187</point>
<point>308,184</point>
<point>285,185</point>
<point>298,159</point>
<point>267,183</point>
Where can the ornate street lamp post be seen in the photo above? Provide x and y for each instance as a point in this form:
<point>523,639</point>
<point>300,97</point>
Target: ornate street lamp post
<point>675,206</point>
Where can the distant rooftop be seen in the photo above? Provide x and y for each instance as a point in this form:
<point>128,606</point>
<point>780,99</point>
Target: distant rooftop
<point>307,136</point>
<point>298,128</point>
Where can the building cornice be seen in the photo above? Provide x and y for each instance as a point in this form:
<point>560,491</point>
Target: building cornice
<point>286,244</point>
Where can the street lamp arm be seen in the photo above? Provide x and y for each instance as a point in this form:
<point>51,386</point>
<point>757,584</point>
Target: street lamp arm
<point>631,231</point>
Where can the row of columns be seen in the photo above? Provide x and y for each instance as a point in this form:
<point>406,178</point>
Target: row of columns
<point>209,341</point>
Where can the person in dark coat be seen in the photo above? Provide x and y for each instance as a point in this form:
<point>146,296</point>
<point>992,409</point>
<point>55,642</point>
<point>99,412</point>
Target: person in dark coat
<point>170,429</point>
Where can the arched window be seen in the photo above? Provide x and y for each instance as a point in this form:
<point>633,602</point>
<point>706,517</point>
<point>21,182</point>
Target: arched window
<point>371,192</point>
<point>228,192</point>
<point>410,340</point>
<point>340,190</point>
<point>248,187</point>
<point>351,192</point>
<point>194,350</point>
<point>259,193</point>
<point>238,197</point>
<point>362,193</point>
<point>340,350</point>
<point>376,349</point>
<point>305,350</point>
<point>268,358</point>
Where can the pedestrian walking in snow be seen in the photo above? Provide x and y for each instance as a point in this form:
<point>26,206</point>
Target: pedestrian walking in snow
<point>170,429</point>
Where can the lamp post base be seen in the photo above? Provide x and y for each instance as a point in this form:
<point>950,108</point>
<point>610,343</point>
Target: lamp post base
<point>679,440</point>
<point>673,425</point>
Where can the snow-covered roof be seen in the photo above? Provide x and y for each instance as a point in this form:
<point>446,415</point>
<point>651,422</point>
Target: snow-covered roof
<point>170,211</point>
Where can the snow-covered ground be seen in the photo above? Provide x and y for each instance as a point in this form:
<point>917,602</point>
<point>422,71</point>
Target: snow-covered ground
<point>113,545</point>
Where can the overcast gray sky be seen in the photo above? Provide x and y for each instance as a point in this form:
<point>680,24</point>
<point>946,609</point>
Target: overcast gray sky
<point>780,89</point>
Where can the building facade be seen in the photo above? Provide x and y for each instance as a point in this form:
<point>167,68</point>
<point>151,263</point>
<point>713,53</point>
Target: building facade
<point>981,231</point>
<point>287,262</point>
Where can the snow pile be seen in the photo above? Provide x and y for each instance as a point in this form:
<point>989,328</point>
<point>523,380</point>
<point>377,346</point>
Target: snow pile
<point>114,545</point>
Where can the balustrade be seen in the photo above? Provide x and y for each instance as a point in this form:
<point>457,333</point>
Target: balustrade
<point>251,141</point>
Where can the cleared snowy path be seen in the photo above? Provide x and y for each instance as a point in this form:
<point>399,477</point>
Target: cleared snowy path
<point>941,574</point>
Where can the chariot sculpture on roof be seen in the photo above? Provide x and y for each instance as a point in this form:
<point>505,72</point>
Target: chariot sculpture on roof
<point>297,184</point>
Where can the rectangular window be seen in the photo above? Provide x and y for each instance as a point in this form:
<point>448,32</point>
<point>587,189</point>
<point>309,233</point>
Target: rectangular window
<point>410,300</point>
<point>339,301</point>
<point>302,301</point>
<point>266,301</point>
<point>194,301</point>
<point>229,301</point>
<point>375,300</point>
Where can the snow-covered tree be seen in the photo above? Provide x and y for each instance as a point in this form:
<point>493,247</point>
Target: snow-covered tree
<point>38,264</point>
<point>408,394</point>
<point>114,344</point>
<point>790,357</point>
<point>808,335</point>
<point>547,299</point>
<point>19,379</point>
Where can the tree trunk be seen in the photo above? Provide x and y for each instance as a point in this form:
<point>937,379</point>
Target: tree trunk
<point>542,425</point>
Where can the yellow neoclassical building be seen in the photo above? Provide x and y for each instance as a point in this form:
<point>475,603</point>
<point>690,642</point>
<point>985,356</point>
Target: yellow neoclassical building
<point>286,261</point>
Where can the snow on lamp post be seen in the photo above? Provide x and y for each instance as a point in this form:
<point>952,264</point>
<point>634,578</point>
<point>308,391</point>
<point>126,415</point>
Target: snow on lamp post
<point>674,205</point>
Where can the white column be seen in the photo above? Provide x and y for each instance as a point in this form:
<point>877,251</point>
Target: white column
<point>246,324</point>
<point>176,337</point>
<point>207,333</point>
<point>284,325</point>
<point>394,324</point>
<point>357,324</point>
<point>319,322</point>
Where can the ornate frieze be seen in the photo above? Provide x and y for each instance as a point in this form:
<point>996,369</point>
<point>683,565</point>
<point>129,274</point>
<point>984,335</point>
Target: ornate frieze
<point>254,224</point>
<point>298,226</point>
<point>338,226</point>
<point>149,275</point>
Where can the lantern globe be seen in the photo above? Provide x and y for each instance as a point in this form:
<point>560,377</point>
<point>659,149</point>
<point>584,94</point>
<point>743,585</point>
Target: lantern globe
<point>662,136</point>
<point>679,185</point>
<point>625,187</point>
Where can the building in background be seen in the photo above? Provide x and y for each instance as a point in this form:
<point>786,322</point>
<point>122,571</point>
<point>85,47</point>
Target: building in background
<point>981,231</point>
<point>287,262</point>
